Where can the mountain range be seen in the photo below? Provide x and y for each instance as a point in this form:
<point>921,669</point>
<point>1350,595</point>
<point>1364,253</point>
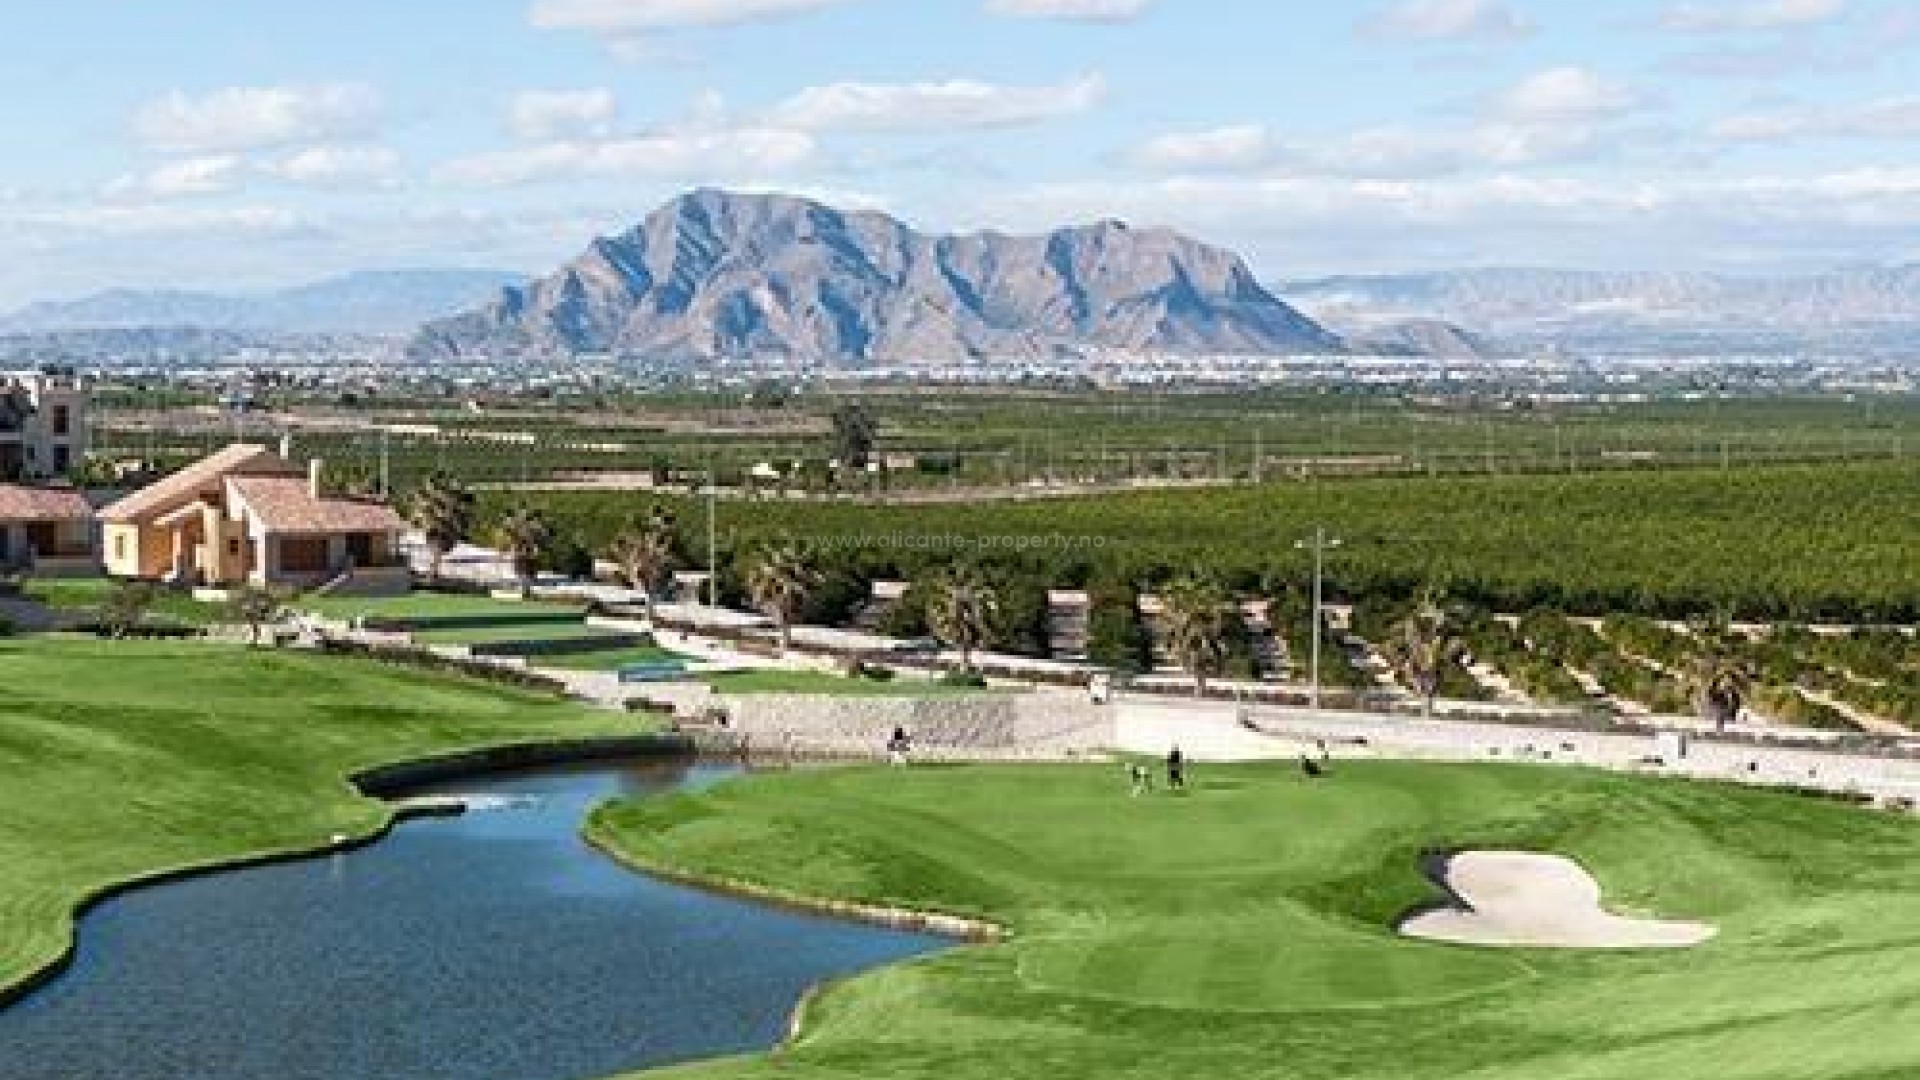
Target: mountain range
<point>1597,311</point>
<point>716,276</point>
<point>369,303</point>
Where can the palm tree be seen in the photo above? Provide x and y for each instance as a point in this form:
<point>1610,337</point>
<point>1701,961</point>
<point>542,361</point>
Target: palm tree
<point>855,431</point>
<point>1422,646</point>
<point>780,580</point>
<point>254,608</point>
<point>443,512</point>
<point>961,612</point>
<point>646,551</point>
<point>1719,678</point>
<point>525,538</point>
<point>1197,623</point>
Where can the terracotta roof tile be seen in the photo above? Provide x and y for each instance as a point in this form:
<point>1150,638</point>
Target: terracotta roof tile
<point>19,503</point>
<point>286,505</point>
<point>187,484</point>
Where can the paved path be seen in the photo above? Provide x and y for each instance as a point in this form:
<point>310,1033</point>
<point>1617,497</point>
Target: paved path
<point>29,617</point>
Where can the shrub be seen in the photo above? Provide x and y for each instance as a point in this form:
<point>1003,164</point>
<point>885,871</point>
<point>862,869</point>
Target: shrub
<point>1116,637</point>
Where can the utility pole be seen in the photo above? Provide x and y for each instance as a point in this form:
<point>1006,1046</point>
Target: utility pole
<point>1319,545</point>
<point>713,538</point>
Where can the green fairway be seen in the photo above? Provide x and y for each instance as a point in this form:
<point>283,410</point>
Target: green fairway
<point>1243,930</point>
<point>756,683</point>
<point>120,760</point>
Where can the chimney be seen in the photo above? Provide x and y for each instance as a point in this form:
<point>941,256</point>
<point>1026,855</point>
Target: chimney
<point>316,472</point>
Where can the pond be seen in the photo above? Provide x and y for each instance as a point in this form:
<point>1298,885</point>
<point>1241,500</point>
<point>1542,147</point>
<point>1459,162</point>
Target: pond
<point>492,946</point>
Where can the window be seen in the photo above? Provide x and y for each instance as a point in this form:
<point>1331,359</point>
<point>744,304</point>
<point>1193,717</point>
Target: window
<point>62,421</point>
<point>120,548</point>
<point>62,460</point>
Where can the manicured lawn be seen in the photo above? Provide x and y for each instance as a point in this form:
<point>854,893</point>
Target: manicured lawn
<point>484,635</point>
<point>121,759</point>
<point>608,660</point>
<point>422,605</point>
<point>1242,931</point>
<point>815,682</point>
<point>87,594</point>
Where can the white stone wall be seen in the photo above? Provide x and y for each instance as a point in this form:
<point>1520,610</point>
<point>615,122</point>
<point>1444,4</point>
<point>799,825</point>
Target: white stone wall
<point>1040,724</point>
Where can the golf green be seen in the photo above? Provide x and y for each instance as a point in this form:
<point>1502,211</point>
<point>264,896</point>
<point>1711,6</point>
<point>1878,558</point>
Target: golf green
<point>1244,929</point>
<point>121,760</point>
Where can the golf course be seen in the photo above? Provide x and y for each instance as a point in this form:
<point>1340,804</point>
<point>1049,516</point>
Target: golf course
<point>122,760</point>
<point>1246,927</point>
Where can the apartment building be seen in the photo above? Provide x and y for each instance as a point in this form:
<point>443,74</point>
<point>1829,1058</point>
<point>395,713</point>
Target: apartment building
<point>44,425</point>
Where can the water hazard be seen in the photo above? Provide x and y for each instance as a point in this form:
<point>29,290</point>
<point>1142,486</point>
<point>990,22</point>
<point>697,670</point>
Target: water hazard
<point>494,946</point>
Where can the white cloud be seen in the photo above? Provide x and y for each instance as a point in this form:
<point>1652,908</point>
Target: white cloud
<point>541,115</point>
<point>621,17</point>
<point>934,106</point>
<point>1071,10</point>
<point>1301,226</point>
<point>337,166</point>
<point>1755,15</point>
<point>1369,153</point>
<point>1553,116</point>
<point>252,118</point>
<point>1447,20</point>
<point>209,175</point>
<point>1563,94</point>
<point>1228,149</point>
<point>156,218</point>
<point>1886,118</point>
<point>215,174</point>
<point>689,155</point>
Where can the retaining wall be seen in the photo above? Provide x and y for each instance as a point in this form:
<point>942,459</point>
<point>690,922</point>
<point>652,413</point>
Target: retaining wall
<point>1036,724</point>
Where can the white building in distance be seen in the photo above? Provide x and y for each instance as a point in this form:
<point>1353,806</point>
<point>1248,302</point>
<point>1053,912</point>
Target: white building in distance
<point>44,425</point>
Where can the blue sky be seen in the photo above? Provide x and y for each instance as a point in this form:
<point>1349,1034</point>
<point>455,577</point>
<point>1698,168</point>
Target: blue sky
<point>245,143</point>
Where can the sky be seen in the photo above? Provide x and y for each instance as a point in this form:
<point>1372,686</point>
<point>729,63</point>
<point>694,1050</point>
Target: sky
<point>245,144</point>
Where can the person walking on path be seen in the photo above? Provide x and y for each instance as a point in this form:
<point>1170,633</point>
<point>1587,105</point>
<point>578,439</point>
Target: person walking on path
<point>899,747</point>
<point>1176,770</point>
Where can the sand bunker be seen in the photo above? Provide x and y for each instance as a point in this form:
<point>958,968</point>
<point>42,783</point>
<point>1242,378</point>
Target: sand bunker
<point>1516,899</point>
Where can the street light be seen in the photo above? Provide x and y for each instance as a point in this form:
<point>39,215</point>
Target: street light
<point>1319,545</point>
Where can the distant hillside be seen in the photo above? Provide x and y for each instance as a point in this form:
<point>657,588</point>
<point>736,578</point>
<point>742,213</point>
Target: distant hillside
<point>716,276</point>
<point>1579,308</point>
<point>1415,337</point>
<point>374,302</point>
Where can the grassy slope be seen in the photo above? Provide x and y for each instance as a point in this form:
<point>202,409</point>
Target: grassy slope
<point>120,760</point>
<point>1241,931</point>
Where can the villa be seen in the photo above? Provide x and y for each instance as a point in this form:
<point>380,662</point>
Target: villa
<point>43,425</point>
<point>248,515</point>
<point>45,530</point>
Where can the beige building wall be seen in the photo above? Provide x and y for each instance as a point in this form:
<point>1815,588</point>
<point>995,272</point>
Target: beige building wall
<point>131,551</point>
